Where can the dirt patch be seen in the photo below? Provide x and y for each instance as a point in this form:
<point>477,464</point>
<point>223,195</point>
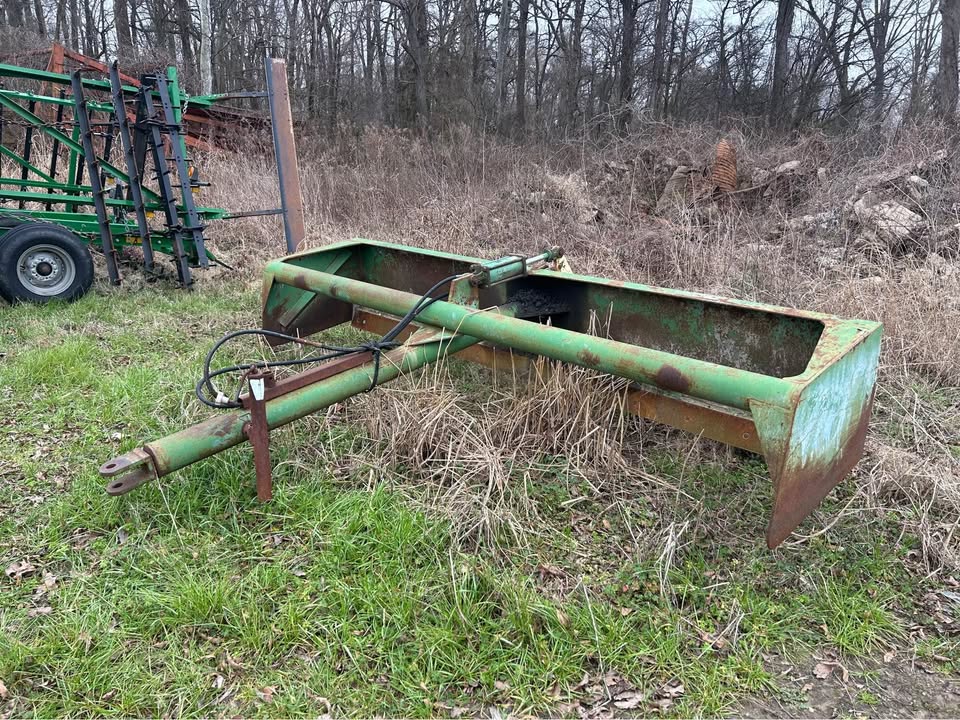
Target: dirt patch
<point>895,687</point>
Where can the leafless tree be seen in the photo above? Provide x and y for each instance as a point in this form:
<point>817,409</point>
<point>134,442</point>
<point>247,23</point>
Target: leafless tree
<point>947,89</point>
<point>541,66</point>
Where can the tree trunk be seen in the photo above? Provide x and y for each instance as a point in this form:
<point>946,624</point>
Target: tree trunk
<point>776,115</point>
<point>682,61</point>
<point>185,27</point>
<point>206,48</point>
<point>381,63</point>
<point>657,81</point>
<point>500,80</point>
<point>468,52</point>
<point>418,35</point>
<point>90,31</point>
<point>59,31</point>
<point>41,20</point>
<point>14,13</point>
<point>74,24</point>
<point>522,66</point>
<point>121,20</point>
<point>573,61</point>
<point>947,81</point>
<point>627,49</point>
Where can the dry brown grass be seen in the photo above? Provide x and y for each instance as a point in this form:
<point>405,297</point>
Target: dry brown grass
<point>479,456</point>
<point>470,194</point>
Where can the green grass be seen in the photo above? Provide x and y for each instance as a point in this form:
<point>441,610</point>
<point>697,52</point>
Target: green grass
<point>187,597</point>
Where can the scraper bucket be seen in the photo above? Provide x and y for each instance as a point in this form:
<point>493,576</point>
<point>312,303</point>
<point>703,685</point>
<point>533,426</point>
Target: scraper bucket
<point>796,387</point>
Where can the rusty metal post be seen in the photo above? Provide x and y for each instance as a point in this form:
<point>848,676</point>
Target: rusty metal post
<point>284,147</point>
<point>258,431</point>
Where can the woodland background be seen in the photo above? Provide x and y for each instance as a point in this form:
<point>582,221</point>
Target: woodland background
<point>546,68</point>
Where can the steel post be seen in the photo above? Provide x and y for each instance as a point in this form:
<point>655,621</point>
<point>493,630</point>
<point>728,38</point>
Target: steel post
<point>288,171</point>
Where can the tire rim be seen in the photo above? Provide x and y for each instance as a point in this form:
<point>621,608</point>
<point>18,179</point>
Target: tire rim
<point>46,270</point>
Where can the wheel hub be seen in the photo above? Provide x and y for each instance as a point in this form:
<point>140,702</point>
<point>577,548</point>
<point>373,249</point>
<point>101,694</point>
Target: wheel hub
<point>46,270</point>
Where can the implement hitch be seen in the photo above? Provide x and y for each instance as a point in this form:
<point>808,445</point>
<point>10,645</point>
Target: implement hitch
<point>796,387</point>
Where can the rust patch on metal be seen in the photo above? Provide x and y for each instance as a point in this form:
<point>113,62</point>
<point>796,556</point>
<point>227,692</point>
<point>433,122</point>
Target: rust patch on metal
<point>258,433</point>
<point>589,358</point>
<point>694,417</point>
<point>669,378</point>
<point>308,377</point>
<point>799,494</point>
<point>300,281</point>
<point>221,427</point>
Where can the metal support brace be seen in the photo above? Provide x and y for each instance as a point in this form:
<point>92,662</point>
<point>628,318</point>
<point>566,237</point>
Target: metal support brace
<point>288,172</point>
<point>96,188</point>
<point>135,173</point>
<point>27,151</point>
<point>258,431</point>
<point>55,152</point>
<point>168,199</point>
<point>194,227</point>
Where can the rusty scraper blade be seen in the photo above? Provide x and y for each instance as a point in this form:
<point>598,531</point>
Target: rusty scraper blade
<point>795,386</point>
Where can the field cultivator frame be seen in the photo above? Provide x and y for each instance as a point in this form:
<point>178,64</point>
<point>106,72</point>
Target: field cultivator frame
<point>117,148</point>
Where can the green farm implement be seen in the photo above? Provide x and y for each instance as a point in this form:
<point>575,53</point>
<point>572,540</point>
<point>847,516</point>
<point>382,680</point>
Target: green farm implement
<point>796,387</point>
<point>115,173</point>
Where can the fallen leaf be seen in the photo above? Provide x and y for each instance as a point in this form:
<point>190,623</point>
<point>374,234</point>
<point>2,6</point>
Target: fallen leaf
<point>628,700</point>
<point>822,671</point>
<point>562,618</point>
<point>624,611</point>
<point>266,693</point>
<point>888,656</point>
<point>16,570</point>
<point>328,707</point>
<point>229,660</point>
<point>500,685</point>
<point>673,691</point>
<point>548,571</point>
<point>49,582</point>
<point>3,690</point>
<point>43,610</point>
<point>584,681</point>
